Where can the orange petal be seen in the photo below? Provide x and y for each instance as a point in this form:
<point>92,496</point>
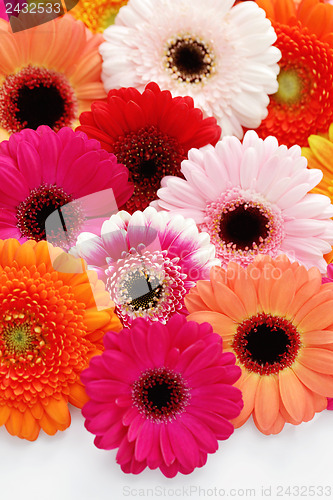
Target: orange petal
<point>320,360</point>
<point>58,411</point>
<point>264,287</point>
<point>223,325</point>
<point>77,395</point>
<point>317,382</point>
<point>30,428</point>
<point>304,294</point>
<point>14,422</point>
<point>194,302</point>
<point>319,317</point>
<point>282,293</point>
<point>4,414</point>
<point>293,394</point>
<point>246,291</point>
<point>248,384</point>
<point>96,319</point>
<point>48,425</point>
<point>317,337</point>
<point>266,407</point>
<point>228,302</point>
<point>206,294</point>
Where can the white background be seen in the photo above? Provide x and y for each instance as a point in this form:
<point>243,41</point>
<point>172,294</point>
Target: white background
<point>68,466</point>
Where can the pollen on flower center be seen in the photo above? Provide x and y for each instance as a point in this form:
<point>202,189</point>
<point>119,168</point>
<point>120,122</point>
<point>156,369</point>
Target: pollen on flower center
<point>141,289</point>
<point>42,202</point>
<point>160,394</point>
<point>266,344</point>
<point>290,86</point>
<point>188,59</point>
<point>36,96</point>
<point>149,155</point>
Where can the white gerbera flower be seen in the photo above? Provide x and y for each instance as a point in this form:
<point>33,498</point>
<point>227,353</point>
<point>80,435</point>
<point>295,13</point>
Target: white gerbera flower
<point>253,198</point>
<point>222,56</point>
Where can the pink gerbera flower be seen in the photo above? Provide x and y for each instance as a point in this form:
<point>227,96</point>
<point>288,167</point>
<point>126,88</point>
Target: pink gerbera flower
<point>148,261</point>
<point>253,197</point>
<point>163,395</point>
<point>42,171</point>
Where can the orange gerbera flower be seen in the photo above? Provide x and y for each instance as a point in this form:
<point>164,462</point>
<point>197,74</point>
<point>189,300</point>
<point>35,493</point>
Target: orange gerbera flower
<point>277,318</point>
<point>303,103</point>
<point>49,74</point>
<point>49,329</point>
<point>97,15</point>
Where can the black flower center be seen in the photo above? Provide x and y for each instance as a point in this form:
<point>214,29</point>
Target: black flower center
<point>36,96</point>
<point>141,289</point>
<point>189,59</point>
<point>33,212</point>
<point>266,344</point>
<point>160,394</point>
<point>244,226</point>
<point>149,155</point>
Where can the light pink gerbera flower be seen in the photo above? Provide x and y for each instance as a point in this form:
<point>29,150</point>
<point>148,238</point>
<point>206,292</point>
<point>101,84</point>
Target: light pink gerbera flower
<point>163,395</point>
<point>148,261</point>
<point>42,171</point>
<point>253,197</point>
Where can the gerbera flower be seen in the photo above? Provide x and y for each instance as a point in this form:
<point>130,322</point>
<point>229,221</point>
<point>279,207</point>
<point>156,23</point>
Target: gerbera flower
<point>220,56</point>
<point>162,407</point>
<point>150,133</point>
<point>50,328</point>
<point>51,75</point>
<point>42,170</point>
<point>277,318</point>
<point>148,261</point>
<point>303,104</point>
<point>252,198</point>
<point>319,155</point>
<point>97,15</point>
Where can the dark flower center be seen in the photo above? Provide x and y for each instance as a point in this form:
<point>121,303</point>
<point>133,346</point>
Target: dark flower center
<point>149,155</point>
<point>36,96</point>
<point>40,204</point>
<point>141,290</point>
<point>266,344</point>
<point>160,394</point>
<point>188,59</point>
<point>244,225</point>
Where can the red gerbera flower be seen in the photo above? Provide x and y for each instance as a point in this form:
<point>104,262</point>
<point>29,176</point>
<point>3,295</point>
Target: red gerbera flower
<point>303,104</point>
<point>150,133</point>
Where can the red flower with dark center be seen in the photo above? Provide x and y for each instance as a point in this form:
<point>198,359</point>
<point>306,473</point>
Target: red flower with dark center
<point>150,133</point>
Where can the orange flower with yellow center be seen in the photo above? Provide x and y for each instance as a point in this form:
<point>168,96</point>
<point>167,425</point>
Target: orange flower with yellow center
<point>49,330</point>
<point>303,103</point>
<point>277,318</point>
<point>49,74</point>
<point>97,15</point>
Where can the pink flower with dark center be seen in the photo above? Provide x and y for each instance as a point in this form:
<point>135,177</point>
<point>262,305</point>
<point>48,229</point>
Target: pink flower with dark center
<point>162,395</point>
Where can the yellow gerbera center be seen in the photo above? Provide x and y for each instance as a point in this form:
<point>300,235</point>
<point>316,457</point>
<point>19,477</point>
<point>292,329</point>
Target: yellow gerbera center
<point>290,87</point>
<point>97,15</point>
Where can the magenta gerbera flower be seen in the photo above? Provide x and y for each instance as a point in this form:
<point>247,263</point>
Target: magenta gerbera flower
<point>43,170</point>
<point>163,395</point>
<point>149,260</point>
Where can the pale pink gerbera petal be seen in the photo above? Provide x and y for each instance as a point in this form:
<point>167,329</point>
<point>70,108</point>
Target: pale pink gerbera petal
<point>149,261</point>
<point>156,408</point>
<point>253,197</point>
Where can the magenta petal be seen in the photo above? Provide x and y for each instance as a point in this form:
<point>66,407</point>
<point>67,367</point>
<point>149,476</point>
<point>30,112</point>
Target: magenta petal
<point>220,425</point>
<point>218,390</point>
<point>101,390</point>
<point>144,441</point>
<point>135,427</point>
<point>170,471</point>
<point>154,459</point>
<point>167,453</point>
<point>125,452</point>
<point>130,415</point>
<point>111,438</point>
<point>188,355</point>
<point>159,343</point>
<point>183,444</point>
<point>204,436</point>
<point>101,423</point>
<point>227,409</point>
<point>29,164</point>
<point>204,359</point>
